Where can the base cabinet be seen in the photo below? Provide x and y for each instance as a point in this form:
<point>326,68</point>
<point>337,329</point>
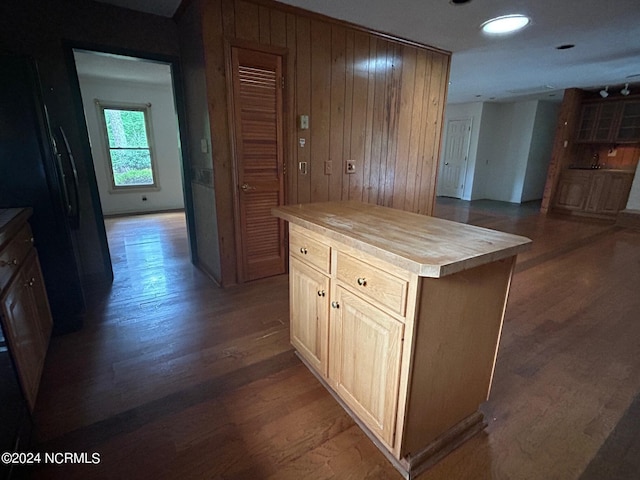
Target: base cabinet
<point>365,356</point>
<point>410,358</point>
<point>24,307</point>
<point>597,193</point>
<point>308,302</point>
<point>27,324</point>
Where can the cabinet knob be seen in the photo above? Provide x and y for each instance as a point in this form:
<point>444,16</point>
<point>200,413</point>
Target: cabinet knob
<point>303,250</point>
<point>321,293</point>
<point>362,281</point>
<point>335,304</point>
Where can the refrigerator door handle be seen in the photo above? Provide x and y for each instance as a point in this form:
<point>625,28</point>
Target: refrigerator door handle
<point>73,211</point>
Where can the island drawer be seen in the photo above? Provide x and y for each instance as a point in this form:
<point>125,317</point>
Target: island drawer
<point>305,247</point>
<point>381,287</point>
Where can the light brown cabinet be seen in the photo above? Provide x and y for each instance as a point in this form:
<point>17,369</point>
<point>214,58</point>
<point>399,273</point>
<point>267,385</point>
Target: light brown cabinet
<point>365,361</point>
<point>399,316</point>
<point>24,308</point>
<point>609,121</point>
<point>597,193</point>
<point>309,300</point>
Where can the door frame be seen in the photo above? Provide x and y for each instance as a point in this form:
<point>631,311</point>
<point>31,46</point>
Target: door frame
<point>463,176</point>
<point>273,50</point>
<point>87,158</point>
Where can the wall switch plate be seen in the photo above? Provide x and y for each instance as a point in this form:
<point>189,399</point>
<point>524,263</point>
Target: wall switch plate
<point>303,122</point>
<point>302,142</point>
<point>350,166</point>
<point>302,166</point>
<point>328,167</point>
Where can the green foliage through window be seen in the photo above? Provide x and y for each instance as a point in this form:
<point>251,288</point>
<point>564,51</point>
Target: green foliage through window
<point>129,150</point>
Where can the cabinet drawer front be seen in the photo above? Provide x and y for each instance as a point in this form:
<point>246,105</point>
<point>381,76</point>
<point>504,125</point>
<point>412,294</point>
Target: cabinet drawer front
<point>13,254</point>
<point>309,250</point>
<point>381,287</point>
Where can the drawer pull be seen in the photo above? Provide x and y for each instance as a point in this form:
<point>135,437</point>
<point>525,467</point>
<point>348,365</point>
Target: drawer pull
<point>303,250</point>
<point>362,281</point>
<point>10,262</point>
<point>335,304</point>
<point>321,293</point>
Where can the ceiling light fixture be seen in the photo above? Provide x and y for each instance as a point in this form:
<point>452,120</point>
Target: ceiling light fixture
<point>605,93</point>
<point>625,91</point>
<point>505,24</point>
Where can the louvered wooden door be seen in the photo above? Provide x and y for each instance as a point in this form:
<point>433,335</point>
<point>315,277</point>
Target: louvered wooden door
<point>257,105</point>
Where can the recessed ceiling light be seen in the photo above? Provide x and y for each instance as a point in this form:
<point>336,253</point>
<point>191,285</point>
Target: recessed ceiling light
<point>505,24</point>
<point>566,46</point>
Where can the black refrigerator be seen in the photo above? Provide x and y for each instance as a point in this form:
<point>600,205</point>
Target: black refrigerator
<point>37,171</point>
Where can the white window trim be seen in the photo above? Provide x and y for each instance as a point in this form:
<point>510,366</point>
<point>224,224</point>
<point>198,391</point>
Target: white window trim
<point>101,105</point>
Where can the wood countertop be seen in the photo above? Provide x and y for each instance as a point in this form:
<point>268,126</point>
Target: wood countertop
<point>427,246</point>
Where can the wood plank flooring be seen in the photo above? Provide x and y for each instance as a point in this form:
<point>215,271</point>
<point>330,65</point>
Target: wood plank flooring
<point>172,377</point>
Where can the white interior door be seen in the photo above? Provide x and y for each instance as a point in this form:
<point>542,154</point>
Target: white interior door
<point>454,161</point>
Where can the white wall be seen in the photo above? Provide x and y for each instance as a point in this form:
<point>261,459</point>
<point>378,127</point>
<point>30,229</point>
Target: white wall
<point>510,149</point>
<point>544,130</point>
<point>634,196</point>
<point>165,136</point>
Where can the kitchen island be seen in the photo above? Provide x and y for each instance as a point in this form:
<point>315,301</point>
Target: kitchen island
<point>399,315</point>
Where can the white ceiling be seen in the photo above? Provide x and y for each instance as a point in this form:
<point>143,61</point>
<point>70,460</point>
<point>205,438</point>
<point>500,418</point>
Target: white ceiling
<point>606,35</point>
<point>115,67</point>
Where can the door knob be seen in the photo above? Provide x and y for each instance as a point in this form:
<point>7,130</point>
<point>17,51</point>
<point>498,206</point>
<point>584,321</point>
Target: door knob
<point>246,186</point>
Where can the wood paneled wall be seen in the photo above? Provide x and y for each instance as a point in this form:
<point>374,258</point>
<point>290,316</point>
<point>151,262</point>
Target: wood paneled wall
<point>371,99</point>
<point>564,147</point>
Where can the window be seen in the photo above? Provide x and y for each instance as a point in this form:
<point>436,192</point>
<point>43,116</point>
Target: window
<point>128,140</point>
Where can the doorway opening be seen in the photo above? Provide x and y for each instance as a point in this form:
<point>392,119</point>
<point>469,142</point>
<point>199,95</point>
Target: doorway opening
<point>129,105</point>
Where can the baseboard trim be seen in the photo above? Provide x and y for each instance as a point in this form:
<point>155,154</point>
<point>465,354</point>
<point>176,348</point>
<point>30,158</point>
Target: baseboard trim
<point>146,212</point>
<point>629,219</point>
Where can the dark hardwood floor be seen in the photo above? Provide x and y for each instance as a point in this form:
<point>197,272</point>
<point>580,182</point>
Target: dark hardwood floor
<point>172,377</point>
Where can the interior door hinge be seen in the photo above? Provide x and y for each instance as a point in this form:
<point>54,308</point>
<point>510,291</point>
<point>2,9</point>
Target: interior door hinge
<point>282,82</point>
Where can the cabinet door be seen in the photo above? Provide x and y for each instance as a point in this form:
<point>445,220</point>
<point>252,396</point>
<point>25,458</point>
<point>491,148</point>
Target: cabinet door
<point>572,191</point>
<point>24,329</point>
<point>629,129</point>
<point>615,194</point>
<point>608,116</point>
<point>364,353</point>
<point>308,302</point>
<point>587,122</point>
<point>597,191</point>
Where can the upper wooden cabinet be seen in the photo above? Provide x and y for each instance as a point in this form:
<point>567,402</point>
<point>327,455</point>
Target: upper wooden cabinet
<point>609,121</point>
<point>629,128</point>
